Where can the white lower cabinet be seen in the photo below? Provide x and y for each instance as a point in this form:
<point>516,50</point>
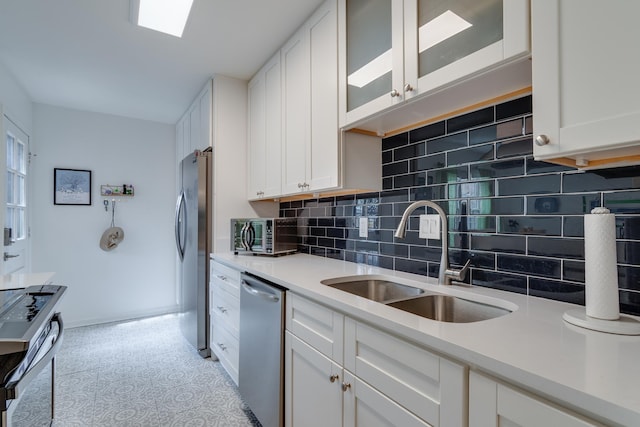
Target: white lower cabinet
<point>492,403</point>
<point>313,395</point>
<point>319,392</point>
<point>224,312</point>
<point>364,406</point>
<point>382,381</point>
<point>431,387</point>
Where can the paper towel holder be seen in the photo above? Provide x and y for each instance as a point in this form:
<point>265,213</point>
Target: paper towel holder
<point>625,325</point>
<point>602,308</point>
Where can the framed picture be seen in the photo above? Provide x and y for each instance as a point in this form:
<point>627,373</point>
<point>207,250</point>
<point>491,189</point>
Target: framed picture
<point>71,187</point>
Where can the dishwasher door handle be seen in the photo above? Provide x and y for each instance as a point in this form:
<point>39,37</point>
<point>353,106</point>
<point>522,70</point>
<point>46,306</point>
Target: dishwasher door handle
<point>258,293</point>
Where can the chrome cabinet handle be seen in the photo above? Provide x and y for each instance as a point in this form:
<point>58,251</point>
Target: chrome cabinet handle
<point>221,308</point>
<point>221,277</point>
<point>394,93</point>
<point>542,140</point>
<point>334,378</point>
<point>408,88</point>
<point>222,346</point>
<point>346,386</point>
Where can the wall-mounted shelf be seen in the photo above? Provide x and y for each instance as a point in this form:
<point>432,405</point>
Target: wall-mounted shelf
<point>116,190</point>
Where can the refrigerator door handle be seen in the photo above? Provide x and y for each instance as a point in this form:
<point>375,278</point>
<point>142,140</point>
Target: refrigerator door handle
<point>179,206</point>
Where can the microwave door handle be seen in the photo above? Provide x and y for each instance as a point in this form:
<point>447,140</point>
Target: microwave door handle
<point>243,236</point>
<point>251,236</point>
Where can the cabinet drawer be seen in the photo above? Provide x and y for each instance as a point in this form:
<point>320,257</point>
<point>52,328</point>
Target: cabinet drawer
<point>366,406</point>
<point>427,385</point>
<point>317,325</point>
<point>225,308</point>
<point>225,346</point>
<point>226,277</point>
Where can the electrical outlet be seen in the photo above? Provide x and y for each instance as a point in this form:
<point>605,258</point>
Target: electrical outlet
<point>364,227</point>
<point>429,227</point>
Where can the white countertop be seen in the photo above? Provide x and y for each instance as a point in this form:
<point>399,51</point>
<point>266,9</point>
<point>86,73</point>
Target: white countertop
<point>532,347</point>
<point>19,280</point>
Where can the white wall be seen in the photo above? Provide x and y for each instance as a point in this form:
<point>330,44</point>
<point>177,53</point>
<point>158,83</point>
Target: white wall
<point>138,277</point>
<point>15,101</point>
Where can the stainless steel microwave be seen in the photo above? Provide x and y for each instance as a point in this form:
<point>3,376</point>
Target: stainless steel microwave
<point>264,236</point>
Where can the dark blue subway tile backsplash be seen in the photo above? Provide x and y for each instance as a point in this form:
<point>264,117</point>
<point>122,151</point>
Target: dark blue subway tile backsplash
<point>519,221</point>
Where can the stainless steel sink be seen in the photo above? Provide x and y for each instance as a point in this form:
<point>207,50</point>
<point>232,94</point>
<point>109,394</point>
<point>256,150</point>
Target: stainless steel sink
<point>446,308</point>
<point>376,289</point>
<point>431,305</point>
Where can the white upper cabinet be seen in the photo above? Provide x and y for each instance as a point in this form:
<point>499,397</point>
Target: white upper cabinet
<point>310,99</point>
<point>193,131</point>
<point>392,51</point>
<point>586,97</point>
<point>265,131</point>
<point>295,111</point>
<point>371,56</point>
<point>316,156</point>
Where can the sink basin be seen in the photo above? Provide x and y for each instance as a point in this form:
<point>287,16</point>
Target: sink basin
<point>374,288</point>
<point>446,308</point>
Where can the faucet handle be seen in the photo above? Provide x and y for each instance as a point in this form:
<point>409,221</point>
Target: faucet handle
<point>459,275</point>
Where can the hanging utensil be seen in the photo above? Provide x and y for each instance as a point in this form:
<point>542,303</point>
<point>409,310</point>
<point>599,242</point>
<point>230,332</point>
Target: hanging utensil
<point>113,235</point>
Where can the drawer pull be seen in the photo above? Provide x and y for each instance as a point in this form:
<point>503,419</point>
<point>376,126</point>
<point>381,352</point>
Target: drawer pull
<point>222,309</point>
<point>222,346</point>
<point>333,378</point>
<point>221,277</point>
<point>346,386</point>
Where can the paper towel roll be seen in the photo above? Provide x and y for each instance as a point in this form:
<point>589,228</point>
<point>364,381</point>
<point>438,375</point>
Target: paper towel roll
<point>601,270</point>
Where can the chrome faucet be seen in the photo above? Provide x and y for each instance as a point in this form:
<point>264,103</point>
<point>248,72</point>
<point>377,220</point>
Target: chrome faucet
<point>445,275</point>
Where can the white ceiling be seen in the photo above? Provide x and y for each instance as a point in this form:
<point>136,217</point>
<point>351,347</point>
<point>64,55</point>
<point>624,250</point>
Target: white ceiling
<point>87,55</point>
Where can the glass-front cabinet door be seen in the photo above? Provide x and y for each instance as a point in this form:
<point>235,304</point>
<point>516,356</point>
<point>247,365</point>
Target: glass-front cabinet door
<point>450,40</point>
<point>394,50</point>
<point>371,56</point>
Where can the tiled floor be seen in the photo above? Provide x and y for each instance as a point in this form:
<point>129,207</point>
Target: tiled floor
<point>142,373</point>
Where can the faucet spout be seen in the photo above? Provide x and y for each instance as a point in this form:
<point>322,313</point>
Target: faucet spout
<point>445,274</point>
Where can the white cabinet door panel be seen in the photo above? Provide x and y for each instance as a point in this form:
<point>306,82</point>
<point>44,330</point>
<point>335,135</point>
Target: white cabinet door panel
<point>586,98</point>
<point>324,151</point>
<point>495,404</point>
<point>366,407</point>
<point>312,398</point>
<point>295,111</point>
<point>429,386</point>
<point>317,325</point>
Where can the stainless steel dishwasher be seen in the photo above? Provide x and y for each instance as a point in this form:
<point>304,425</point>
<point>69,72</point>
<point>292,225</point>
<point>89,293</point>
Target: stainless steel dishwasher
<point>260,374</point>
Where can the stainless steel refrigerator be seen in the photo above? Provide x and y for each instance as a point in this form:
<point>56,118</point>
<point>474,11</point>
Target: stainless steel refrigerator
<point>193,225</point>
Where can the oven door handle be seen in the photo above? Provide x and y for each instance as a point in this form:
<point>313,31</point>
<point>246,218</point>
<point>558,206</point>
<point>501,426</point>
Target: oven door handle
<point>15,388</point>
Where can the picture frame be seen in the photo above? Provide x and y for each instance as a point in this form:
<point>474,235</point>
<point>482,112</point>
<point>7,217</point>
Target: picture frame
<point>71,187</point>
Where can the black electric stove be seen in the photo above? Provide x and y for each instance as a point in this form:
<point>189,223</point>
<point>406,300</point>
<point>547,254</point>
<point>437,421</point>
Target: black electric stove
<point>30,335</point>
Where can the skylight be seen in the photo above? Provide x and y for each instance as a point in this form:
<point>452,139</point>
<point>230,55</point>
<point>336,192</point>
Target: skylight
<point>166,16</point>
<point>441,28</point>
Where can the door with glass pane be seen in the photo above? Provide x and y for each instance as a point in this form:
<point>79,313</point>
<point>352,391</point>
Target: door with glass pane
<point>447,41</point>
<point>371,57</point>
<point>17,149</point>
